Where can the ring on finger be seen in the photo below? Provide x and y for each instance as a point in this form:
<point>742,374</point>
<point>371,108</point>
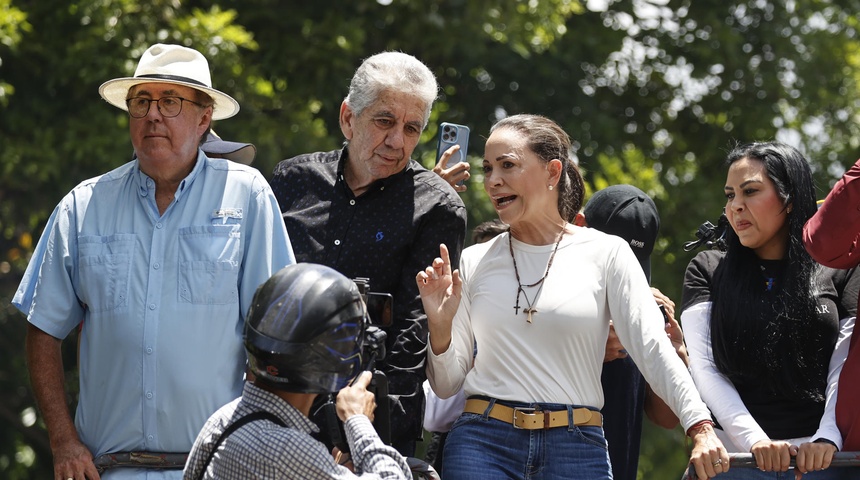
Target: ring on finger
<point>718,462</point>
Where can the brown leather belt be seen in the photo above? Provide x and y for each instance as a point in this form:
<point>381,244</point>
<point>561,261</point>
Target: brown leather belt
<point>156,460</point>
<point>532,419</point>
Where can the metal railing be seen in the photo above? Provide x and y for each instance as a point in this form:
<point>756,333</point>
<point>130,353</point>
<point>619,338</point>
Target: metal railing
<point>747,460</point>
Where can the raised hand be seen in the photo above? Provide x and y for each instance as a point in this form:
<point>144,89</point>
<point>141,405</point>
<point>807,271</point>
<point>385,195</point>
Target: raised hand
<point>440,289</point>
<point>355,399</point>
<point>459,172</point>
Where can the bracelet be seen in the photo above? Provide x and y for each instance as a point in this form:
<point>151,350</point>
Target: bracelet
<point>827,441</point>
<point>696,426</point>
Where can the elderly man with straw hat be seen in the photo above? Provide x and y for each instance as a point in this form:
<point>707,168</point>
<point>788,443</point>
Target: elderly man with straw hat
<point>157,262</point>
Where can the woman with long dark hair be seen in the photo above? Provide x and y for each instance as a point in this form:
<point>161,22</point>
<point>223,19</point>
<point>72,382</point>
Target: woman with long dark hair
<point>537,299</point>
<point>761,320</point>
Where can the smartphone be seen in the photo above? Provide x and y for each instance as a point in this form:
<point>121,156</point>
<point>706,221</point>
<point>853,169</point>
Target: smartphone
<point>665,315</point>
<point>380,308</point>
<point>453,134</point>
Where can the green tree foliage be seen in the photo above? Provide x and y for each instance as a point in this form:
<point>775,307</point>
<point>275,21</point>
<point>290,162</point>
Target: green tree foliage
<point>653,92</point>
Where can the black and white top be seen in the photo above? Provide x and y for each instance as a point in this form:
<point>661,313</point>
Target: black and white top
<point>746,410</point>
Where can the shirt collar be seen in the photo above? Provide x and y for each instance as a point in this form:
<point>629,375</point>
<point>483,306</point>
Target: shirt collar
<point>145,183</point>
<point>276,405</point>
<point>376,185</point>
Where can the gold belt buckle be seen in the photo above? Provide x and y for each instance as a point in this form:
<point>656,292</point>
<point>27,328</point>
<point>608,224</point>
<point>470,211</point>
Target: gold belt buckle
<point>524,411</point>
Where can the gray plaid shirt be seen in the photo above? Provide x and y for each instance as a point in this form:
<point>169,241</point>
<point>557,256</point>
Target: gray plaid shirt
<point>263,450</point>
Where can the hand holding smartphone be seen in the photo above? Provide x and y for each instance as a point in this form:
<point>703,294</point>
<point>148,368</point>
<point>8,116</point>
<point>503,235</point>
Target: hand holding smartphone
<point>455,168</point>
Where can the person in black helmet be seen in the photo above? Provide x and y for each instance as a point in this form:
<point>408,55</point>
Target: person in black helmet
<point>305,336</point>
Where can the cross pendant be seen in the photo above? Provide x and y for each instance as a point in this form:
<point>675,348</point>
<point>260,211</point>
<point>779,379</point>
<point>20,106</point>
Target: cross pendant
<point>517,309</point>
<point>529,312</point>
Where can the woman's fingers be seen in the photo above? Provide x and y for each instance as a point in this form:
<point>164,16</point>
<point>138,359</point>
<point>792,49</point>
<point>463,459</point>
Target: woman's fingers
<point>446,258</point>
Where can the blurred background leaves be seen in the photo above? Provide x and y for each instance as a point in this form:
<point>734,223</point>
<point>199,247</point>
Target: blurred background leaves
<point>653,93</point>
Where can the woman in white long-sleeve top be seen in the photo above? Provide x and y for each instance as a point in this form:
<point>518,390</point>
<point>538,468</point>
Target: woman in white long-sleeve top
<point>538,300</point>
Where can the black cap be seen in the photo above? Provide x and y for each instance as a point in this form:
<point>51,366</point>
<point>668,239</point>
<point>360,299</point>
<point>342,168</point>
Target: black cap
<point>238,152</point>
<point>627,212</point>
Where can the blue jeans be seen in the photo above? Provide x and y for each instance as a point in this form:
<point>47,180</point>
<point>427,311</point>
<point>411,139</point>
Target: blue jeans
<point>479,447</point>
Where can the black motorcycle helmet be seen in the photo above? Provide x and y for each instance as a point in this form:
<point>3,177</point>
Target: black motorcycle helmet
<point>305,330</point>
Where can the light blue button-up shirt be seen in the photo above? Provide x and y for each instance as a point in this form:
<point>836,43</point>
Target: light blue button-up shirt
<point>162,298</point>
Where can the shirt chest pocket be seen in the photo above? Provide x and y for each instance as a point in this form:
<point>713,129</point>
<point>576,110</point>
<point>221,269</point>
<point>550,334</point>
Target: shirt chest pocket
<point>209,257</point>
<point>104,266</point>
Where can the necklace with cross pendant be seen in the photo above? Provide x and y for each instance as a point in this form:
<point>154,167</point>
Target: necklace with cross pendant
<point>529,312</point>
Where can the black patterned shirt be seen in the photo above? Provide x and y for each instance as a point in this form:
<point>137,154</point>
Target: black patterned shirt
<point>387,234</point>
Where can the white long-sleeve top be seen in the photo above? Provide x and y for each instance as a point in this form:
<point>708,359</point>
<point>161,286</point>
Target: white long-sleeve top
<point>559,357</point>
<point>740,427</point>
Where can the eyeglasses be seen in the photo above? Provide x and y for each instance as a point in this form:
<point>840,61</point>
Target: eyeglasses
<point>138,107</point>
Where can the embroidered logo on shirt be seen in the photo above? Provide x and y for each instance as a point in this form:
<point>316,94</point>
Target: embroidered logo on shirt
<point>379,236</point>
<point>227,213</point>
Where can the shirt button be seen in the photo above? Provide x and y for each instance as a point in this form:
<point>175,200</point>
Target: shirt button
<point>158,225</point>
<point>152,306</point>
<point>156,266</point>
<point>149,350</point>
<point>381,188</point>
<point>352,202</point>
<point>150,438</point>
<point>337,242</point>
<point>148,394</point>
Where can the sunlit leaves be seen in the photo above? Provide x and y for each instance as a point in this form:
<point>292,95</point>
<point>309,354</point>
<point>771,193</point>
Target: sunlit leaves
<point>530,26</point>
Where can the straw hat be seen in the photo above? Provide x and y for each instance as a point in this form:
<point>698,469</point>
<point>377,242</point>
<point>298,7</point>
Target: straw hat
<point>173,64</point>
